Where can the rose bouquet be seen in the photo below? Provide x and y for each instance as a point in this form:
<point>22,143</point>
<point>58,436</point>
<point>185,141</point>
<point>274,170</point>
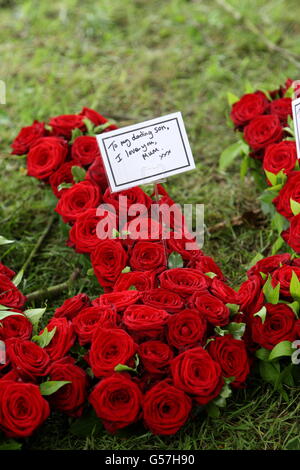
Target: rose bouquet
<point>269,300</point>
<point>264,119</point>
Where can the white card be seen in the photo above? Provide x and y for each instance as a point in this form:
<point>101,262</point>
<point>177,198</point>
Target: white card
<point>146,152</point>
<point>296,119</point>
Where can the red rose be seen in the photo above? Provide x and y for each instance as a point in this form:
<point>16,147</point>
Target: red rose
<point>46,156</point>
<point>163,299</point>
<point>184,281</point>
<point>62,175</point>
<point>64,124</point>
<point>292,235</point>
<point>280,156</point>
<point>283,276</point>
<point>248,107</point>
<point>123,200</point>
<point>22,408</point>
<point>181,245</point>
<point>117,300</point>
<point>250,295</point>
<point>291,190</point>
<point>71,307</point>
<point>15,326</point>
<point>205,264</point>
<point>223,291</point>
<point>108,260</point>
<point>145,322</point>
<point>262,131</point>
<point>76,200</point>
<point>10,296</point>
<point>269,264</point>
<point>85,150</point>
<point>213,309</point>
<point>28,359</point>
<point>27,137</point>
<point>147,256</point>
<point>7,272</point>
<point>282,107</point>
<point>116,401</point>
<point>197,374</point>
<point>232,356</point>
<point>86,321</point>
<point>71,397</point>
<point>166,408</point>
<point>141,280</point>
<point>97,174</point>
<point>96,118</point>
<point>83,234</point>
<point>186,329</point>
<point>155,357</point>
<point>110,347</point>
<point>63,338</point>
<point>279,325</point>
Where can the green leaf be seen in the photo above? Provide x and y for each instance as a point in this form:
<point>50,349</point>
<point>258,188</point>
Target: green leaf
<point>78,173</point>
<point>271,293</point>
<point>269,371</point>
<point>295,207</point>
<point>230,154</point>
<point>99,129</point>
<point>124,368</point>
<point>284,348</point>
<point>64,186</point>
<point>224,394</point>
<point>295,287</point>
<point>18,277</point>
<point>231,98</point>
<point>175,260</point>
<point>10,444</point>
<point>45,338</point>
<point>263,354</point>
<point>87,425</point>
<point>293,444</point>
<point>90,272</point>
<point>271,177</point>
<point>34,315</point>
<point>127,269</point>
<point>132,288</point>
<point>50,387</point>
<point>233,308</point>
<point>210,274</point>
<point>279,222</point>
<point>262,314</point>
<point>277,245</point>
<point>5,241</point>
<point>237,330</point>
<point>255,260</point>
<point>244,167</point>
<point>212,410</point>
<point>289,93</point>
<point>89,126</point>
<point>8,313</point>
<point>75,133</point>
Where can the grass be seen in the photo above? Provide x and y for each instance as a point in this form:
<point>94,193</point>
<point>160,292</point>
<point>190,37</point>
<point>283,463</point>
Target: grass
<point>134,60</point>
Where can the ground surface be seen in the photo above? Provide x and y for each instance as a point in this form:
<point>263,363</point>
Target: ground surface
<point>134,60</point>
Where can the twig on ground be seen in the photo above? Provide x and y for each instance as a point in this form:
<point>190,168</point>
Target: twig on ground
<point>39,243</point>
<point>254,217</point>
<point>289,55</point>
<point>53,290</point>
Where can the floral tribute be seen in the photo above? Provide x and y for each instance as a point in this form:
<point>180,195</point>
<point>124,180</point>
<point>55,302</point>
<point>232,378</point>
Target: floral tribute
<point>164,339</point>
<point>269,299</point>
<point>264,121</point>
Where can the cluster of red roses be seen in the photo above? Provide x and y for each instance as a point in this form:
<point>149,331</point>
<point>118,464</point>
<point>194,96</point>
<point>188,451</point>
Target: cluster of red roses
<point>27,360</point>
<point>264,119</point>
<point>159,340</point>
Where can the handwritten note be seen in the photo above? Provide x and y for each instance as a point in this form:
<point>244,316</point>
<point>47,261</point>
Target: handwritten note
<point>296,119</point>
<point>146,152</point>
